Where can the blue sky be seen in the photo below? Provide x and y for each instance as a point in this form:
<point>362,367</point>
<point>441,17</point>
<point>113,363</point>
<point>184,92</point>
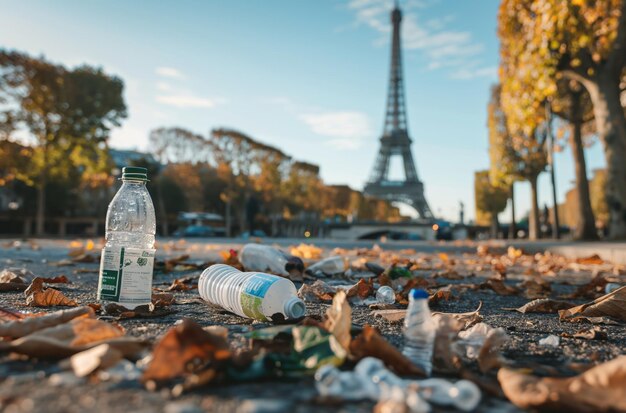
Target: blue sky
<point>307,76</point>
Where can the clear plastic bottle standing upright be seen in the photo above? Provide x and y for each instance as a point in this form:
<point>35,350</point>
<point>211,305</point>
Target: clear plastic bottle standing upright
<point>419,331</point>
<point>128,254</point>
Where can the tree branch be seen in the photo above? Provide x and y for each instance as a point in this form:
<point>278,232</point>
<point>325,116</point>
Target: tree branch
<point>617,57</point>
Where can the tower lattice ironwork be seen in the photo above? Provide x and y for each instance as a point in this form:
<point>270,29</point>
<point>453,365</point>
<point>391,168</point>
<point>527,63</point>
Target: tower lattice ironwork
<point>396,141</point>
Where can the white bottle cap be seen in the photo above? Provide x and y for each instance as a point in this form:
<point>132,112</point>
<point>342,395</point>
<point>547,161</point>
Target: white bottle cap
<point>294,308</point>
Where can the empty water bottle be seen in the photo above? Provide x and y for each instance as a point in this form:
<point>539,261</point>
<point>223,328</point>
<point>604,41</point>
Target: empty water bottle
<point>464,395</point>
<point>128,254</point>
<point>419,331</point>
<point>331,382</point>
<point>328,266</point>
<point>250,294</point>
<point>258,257</point>
<point>386,295</point>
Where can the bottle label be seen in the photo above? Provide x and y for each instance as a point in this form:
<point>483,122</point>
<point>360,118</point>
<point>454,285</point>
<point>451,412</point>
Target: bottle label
<point>253,294</point>
<point>126,275</point>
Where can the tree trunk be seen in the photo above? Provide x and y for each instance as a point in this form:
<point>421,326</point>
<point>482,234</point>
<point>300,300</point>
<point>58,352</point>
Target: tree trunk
<point>512,227</point>
<point>228,219</point>
<point>533,219</point>
<point>495,225</point>
<point>585,221</point>
<point>40,218</point>
<point>611,127</point>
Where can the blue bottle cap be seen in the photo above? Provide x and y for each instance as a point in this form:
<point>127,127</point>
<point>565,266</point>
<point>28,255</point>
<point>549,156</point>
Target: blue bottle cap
<point>418,294</point>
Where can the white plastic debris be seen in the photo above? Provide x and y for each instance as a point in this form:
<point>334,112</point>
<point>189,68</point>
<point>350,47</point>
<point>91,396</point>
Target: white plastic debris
<point>551,341</point>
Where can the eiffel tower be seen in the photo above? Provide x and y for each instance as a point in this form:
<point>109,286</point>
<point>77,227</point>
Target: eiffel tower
<point>396,141</point>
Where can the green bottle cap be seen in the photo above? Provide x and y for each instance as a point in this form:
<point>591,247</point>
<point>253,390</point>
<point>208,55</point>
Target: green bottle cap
<point>134,173</point>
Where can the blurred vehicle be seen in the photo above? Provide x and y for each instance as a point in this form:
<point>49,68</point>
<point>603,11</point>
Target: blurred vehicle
<point>196,231</point>
<point>257,233</point>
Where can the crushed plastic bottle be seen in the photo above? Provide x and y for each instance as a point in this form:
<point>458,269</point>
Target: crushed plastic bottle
<point>372,380</point>
<point>258,257</point>
<point>419,331</point>
<point>250,294</point>
<point>128,254</point>
<point>550,341</point>
<point>328,266</point>
<point>385,295</point>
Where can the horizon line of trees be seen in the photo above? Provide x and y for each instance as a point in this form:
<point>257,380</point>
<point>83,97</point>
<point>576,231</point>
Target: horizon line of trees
<point>67,115</point>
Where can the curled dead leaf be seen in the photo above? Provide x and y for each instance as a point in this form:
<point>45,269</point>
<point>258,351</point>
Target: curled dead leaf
<point>96,358</point>
<point>610,305</point>
<point>544,305</point>
<point>600,389</point>
<point>371,344</point>
<point>466,319</point>
<point>318,291</point>
<point>28,325</point>
<point>37,296</point>
<point>183,350</point>
<point>162,299</point>
<point>499,287</point>
<point>361,289</point>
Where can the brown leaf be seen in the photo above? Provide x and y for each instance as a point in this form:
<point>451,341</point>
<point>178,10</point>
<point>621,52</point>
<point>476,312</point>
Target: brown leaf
<point>544,305</point>
<point>339,319</point>
<point>72,337</point>
<point>16,275</point>
<point>99,357</point>
<point>183,350</point>
<point>371,344</point>
<point>318,291</point>
<point>600,389</point>
<point>36,296</point>
<point>445,359</point>
<point>499,287</point>
<point>7,314</point>
<point>591,260</point>
<point>141,311</point>
<point>393,316</point>
<point>443,293</point>
<point>591,333</point>
<point>591,289</point>
<point>162,299</point>
<point>610,305</point>
<point>26,326</point>
<point>179,285</point>
<point>536,288</point>
<point>466,319</point>
<point>361,289</point>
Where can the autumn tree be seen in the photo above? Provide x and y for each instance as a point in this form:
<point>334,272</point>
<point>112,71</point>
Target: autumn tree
<point>543,41</point>
<point>490,199</point>
<point>68,114</point>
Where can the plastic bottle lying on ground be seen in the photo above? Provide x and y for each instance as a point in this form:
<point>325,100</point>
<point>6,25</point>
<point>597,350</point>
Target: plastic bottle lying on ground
<point>328,266</point>
<point>128,254</point>
<point>419,331</point>
<point>258,257</point>
<point>255,295</point>
<point>372,380</point>
<point>385,295</point>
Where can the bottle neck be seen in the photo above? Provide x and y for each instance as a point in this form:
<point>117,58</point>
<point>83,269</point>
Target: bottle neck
<point>133,182</point>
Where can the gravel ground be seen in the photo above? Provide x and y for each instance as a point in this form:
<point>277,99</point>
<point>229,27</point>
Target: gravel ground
<point>26,385</point>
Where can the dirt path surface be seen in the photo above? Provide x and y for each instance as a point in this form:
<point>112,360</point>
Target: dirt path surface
<point>28,385</point>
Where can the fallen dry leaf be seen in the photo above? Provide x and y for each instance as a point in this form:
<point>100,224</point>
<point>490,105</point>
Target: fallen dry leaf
<point>544,305</point>
<point>306,251</point>
<point>183,350</point>
<point>442,294</point>
<point>610,305</point>
<point>591,289</point>
<point>96,358</point>
<point>371,344</point>
<point>499,287</point>
<point>73,337</point>
<point>535,288</point>
<point>600,389</point>
<point>490,356</point>
<point>28,325</point>
<point>318,291</point>
<point>141,311</point>
<point>393,316</point>
<point>36,296</point>
<point>10,315</point>
<point>591,260</point>
<point>59,279</point>
<point>338,320</point>
<point>180,285</point>
<point>16,275</point>
<point>361,289</point>
<point>162,299</point>
<point>467,319</point>
<point>445,359</point>
<point>591,333</point>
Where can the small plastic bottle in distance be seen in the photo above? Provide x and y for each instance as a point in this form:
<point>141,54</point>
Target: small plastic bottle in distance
<point>128,254</point>
<point>258,257</point>
<point>385,295</point>
<point>419,331</point>
<point>250,294</point>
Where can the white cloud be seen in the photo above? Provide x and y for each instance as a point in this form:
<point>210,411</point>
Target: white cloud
<point>346,128</point>
<point>471,73</point>
<point>431,37</point>
<point>169,72</point>
<point>187,101</point>
<point>164,86</point>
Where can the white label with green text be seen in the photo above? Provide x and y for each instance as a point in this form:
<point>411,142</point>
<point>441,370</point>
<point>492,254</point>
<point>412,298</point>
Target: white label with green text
<point>126,275</point>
